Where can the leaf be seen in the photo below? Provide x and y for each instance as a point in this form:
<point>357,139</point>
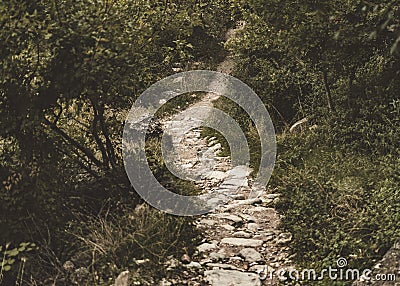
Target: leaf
<point>13,252</point>
<point>7,268</point>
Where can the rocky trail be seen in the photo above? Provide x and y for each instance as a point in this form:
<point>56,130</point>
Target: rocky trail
<point>242,244</point>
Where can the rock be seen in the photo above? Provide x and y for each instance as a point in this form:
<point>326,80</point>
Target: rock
<point>260,209</point>
<point>231,217</point>
<point>209,222</point>
<point>243,202</point>
<point>171,263</point>
<point>221,266</point>
<point>231,278</point>
<point>247,217</point>
<point>185,259</point>
<point>214,256</point>
<point>228,227</point>
<point>239,172</point>
<point>253,227</point>
<point>238,197</point>
<point>235,183</point>
<point>264,237</point>
<point>122,279</point>
<point>217,175</point>
<point>236,259</point>
<point>142,261</point>
<point>272,196</point>
<point>194,264</point>
<point>284,238</point>
<point>242,234</point>
<point>250,255</point>
<point>242,242</point>
<point>206,247</point>
<point>164,282</point>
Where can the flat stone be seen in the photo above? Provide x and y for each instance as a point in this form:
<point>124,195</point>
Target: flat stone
<point>239,172</point>
<point>242,242</point>
<point>217,175</point>
<point>193,264</point>
<point>250,255</point>
<point>272,196</point>
<point>216,256</point>
<point>206,247</point>
<point>247,217</point>
<point>222,266</point>
<point>231,217</point>
<point>260,209</point>
<point>228,227</point>
<point>231,278</point>
<point>209,222</point>
<point>236,259</point>
<point>253,226</point>
<point>244,202</point>
<point>264,237</point>
<point>242,234</point>
<point>235,182</point>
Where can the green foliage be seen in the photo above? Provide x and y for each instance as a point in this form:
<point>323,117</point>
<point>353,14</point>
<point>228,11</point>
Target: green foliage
<point>336,63</point>
<point>113,241</point>
<point>12,257</point>
<point>336,203</point>
<point>304,56</point>
<point>70,71</point>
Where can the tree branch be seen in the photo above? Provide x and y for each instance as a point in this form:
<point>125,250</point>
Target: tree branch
<point>73,142</point>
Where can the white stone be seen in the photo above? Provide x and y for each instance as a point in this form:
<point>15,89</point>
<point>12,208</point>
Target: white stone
<point>242,234</point>
<point>253,226</point>
<point>231,278</point>
<point>250,255</point>
<point>216,256</point>
<point>206,247</point>
<point>231,217</point>
<point>217,175</point>
<point>221,266</point>
<point>242,242</point>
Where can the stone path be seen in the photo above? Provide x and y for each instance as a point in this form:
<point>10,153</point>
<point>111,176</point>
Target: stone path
<point>242,243</point>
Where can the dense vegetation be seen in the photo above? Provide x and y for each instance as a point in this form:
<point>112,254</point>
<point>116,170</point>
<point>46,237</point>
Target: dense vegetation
<point>337,63</point>
<point>72,69</point>
<point>70,72</point>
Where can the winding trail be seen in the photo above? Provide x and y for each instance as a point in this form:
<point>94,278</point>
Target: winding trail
<point>242,244</point>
